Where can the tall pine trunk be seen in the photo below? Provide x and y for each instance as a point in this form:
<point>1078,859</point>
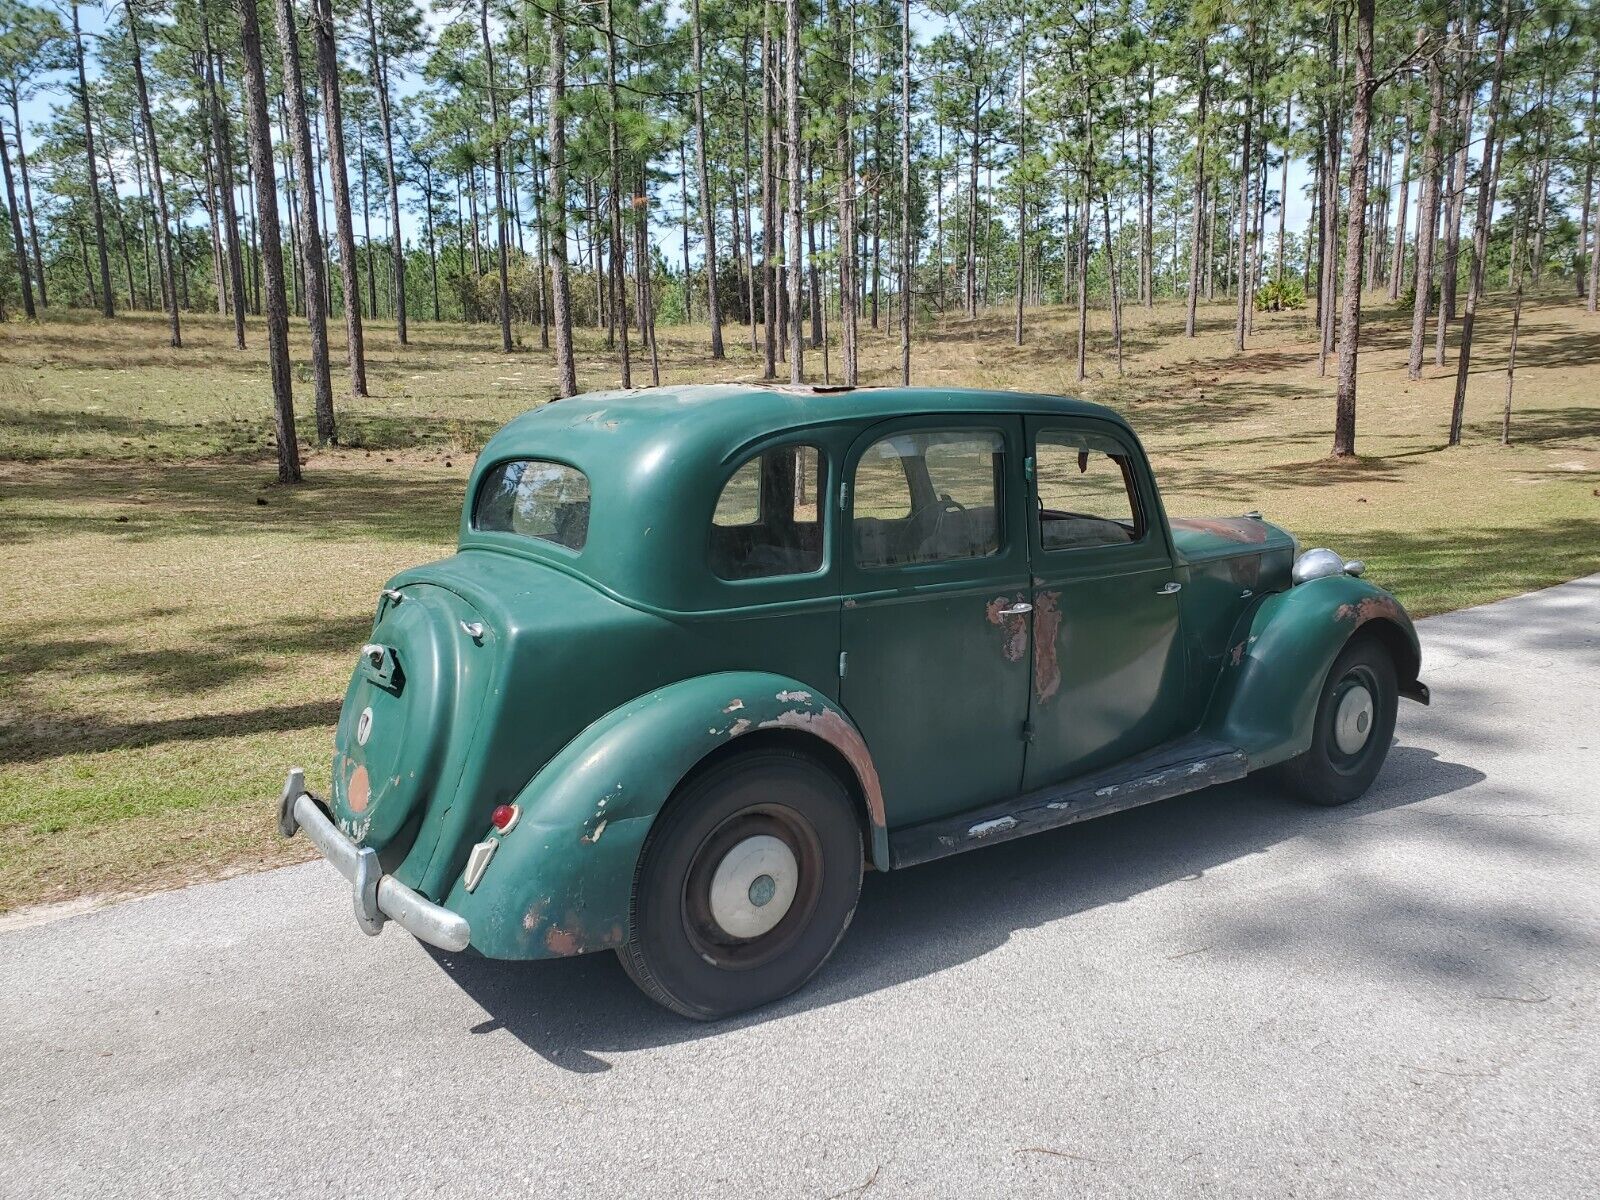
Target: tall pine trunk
<point>560,284</point>
<point>796,252</point>
<point>328,85</point>
<point>708,208</point>
<point>316,289</point>
<point>107,304</point>
<point>24,273</point>
<point>1197,233</point>
<point>1489,173</point>
<point>504,308</point>
<point>259,137</point>
<point>379,64</point>
<point>619,290</point>
<point>1344,426</point>
<point>1427,215</point>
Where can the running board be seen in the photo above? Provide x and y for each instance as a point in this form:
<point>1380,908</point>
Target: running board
<point>1186,765</point>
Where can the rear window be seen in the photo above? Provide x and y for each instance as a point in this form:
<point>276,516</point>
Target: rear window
<point>535,498</point>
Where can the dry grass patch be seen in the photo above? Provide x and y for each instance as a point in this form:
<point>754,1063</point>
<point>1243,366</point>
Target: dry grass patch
<point>175,629</point>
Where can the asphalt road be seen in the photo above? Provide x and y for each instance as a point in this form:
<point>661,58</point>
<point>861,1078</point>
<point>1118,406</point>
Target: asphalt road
<point>1224,994</point>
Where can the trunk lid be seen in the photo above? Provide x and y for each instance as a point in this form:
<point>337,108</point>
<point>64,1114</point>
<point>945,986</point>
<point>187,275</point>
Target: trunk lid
<point>417,688</point>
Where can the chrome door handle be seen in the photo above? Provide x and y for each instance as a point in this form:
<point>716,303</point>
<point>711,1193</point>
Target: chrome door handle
<point>1169,589</point>
<point>1017,610</point>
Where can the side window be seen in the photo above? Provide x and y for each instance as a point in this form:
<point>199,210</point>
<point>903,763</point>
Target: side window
<point>1086,492</point>
<point>928,497</point>
<point>768,518</point>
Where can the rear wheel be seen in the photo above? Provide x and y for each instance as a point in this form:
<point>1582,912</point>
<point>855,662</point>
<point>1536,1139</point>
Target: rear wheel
<point>1354,726</point>
<point>746,885</point>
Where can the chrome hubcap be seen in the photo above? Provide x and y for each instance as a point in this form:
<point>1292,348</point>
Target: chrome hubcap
<point>1352,720</point>
<point>753,886</point>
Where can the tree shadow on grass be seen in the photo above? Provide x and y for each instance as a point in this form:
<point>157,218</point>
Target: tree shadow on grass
<point>913,923</point>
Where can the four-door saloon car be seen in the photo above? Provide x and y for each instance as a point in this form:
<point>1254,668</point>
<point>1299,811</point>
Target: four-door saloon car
<point>706,653</point>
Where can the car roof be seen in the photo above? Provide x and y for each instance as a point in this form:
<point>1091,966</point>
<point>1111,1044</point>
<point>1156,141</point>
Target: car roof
<point>723,418</point>
<point>657,458</point>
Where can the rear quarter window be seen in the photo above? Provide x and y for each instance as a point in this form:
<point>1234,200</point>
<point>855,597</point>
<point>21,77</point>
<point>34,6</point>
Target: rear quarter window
<point>537,498</point>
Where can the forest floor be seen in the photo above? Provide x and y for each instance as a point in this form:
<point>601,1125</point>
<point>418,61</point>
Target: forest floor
<point>176,629</point>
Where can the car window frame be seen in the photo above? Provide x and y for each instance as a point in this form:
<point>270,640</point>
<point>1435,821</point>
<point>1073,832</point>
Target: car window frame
<point>826,493</point>
<point>510,538</point>
<point>1154,544</point>
<point>1011,556</point>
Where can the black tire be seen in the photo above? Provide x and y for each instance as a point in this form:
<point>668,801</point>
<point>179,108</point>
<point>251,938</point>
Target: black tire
<point>677,951</point>
<point>1328,774</point>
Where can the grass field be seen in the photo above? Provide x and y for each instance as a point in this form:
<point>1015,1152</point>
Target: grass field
<point>175,629</point>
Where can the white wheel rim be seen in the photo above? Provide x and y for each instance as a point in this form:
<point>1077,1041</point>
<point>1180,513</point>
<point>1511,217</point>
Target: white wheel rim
<point>1352,721</point>
<point>753,886</point>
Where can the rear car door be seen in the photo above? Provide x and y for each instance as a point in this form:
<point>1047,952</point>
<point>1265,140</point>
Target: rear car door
<point>935,627</point>
<point>1108,664</point>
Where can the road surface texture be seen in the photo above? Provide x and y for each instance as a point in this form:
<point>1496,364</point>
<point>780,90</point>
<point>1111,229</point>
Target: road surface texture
<point>1226,994</point>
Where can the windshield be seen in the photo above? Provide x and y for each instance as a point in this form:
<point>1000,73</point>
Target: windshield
<point>535,498</point>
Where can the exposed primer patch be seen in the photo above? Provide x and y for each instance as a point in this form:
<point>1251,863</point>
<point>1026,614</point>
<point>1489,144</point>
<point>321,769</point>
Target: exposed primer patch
<point>1046,650</point>
<point>984,829</point>
<point>532,918</point>
<point>794,697</point>
<point>1244,530</point>
<point>735,705</point>
<point>1369,608</point>
<point>1236,655</point>
<point>832,728</point>
<point>593,835</point>
<point>742,725</point>
<point>1015,626</point>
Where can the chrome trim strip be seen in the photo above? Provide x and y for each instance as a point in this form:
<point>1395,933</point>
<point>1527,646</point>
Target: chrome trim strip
<point>377,897</point>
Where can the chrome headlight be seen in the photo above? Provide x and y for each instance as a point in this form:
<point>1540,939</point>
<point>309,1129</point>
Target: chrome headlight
<point>1315,564</point>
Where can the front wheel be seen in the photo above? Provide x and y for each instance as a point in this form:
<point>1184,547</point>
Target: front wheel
<point>1354,726</point>
<point>745,886</point>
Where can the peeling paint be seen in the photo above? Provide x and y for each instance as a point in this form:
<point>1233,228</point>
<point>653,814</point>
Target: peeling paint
<point>1046,648</point>
<point>1015,626</point>
<point>832,728</point>
<point>742,725</point>
<point>1370,608</point>
<point>1236,655</point>
<point>794,697</point>
<point>1244,530</point>
<point>593,835</point>
<point>999,825</point>
<point>735,705</point>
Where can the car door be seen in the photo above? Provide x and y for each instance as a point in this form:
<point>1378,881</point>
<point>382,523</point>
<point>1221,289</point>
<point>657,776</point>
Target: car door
<point>934,624</point>
<point>1108,668</point>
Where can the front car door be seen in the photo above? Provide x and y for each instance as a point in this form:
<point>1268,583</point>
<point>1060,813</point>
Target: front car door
<point>1108,668</point>
<point>935,627</point>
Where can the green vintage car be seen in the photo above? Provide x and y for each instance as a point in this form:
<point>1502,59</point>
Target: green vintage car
<point>705,654</point>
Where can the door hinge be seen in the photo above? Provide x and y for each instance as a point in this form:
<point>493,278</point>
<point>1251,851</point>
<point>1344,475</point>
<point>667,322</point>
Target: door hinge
<point>1027,731</point>
<point>844,662</point>
<point>844,495</point>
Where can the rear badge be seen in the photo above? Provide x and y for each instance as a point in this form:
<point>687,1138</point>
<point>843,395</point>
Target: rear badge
<point>364,726</point>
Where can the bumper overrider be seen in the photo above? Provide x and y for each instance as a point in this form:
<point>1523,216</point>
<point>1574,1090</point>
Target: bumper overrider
<point>378,897</point>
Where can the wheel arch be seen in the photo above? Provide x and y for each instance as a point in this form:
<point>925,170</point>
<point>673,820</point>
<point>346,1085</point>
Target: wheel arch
<point>561,879</point>
<point>1265,698</point>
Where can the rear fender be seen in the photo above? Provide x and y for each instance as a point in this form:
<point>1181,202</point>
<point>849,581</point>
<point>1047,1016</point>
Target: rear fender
<point>561,878</point>
<point>1265,700</point>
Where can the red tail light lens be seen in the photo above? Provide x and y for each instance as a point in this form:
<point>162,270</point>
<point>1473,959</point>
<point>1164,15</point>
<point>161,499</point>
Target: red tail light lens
<point>503,817</point>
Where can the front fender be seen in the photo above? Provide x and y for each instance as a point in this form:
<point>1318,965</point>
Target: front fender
<point>1265,700</point>
<point>561,879</point>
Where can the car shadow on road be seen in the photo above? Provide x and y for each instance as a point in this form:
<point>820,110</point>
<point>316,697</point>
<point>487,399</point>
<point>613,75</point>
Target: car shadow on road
<point>916,922</point>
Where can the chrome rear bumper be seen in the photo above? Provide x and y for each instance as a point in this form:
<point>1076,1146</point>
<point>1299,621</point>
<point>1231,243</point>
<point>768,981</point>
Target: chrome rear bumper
<point>378,897</point>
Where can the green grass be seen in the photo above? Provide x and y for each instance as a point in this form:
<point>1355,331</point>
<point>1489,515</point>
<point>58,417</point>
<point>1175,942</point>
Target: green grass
<point>176,629</point>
